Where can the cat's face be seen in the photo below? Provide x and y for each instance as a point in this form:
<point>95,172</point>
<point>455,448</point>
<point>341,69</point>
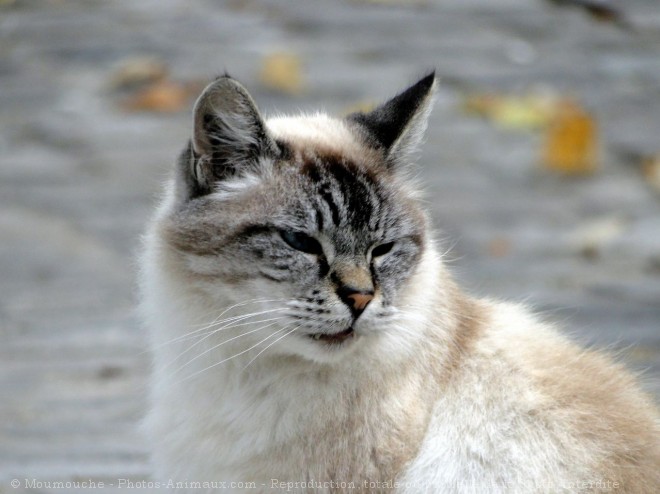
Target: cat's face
<point>308,221</point>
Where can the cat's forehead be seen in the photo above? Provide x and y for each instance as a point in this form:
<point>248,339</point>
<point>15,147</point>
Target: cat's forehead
<point>342,184</point>
<point>322,135</point>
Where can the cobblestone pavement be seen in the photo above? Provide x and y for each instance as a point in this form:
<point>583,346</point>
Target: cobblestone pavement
<point>79,177</point>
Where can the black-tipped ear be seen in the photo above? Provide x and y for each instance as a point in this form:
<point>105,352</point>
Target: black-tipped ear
<point>229,136</point>
<point>398,125</point>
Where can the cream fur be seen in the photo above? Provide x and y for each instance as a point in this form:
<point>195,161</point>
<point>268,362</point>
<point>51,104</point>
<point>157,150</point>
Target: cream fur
<point>471,397</point>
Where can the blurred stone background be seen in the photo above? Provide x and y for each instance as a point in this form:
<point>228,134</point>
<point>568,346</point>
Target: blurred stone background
<point>95,101</point>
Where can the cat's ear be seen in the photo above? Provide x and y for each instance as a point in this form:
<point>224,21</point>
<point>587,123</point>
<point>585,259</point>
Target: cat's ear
<point>398,125</point>
<point>229,137</point>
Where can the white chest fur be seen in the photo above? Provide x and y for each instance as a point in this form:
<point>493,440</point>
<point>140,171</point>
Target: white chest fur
<point>294,427</point>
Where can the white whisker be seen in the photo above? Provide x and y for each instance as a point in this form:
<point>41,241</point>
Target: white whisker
<point>232,357</point>
<point>205,336</point>
<point>240,304</point>
<point>219,345</point>
<point>217,320</point>
<point>193,334</point>
<point>270,345</point>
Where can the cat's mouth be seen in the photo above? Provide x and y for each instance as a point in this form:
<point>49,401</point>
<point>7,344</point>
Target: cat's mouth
<point>335,338</point>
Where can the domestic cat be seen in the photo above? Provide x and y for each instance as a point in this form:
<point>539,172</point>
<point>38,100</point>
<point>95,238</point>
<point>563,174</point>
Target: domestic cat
<point>307,337</point>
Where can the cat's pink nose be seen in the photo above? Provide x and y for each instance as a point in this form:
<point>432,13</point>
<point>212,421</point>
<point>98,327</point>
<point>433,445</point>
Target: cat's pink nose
<point>360,300</point>
<point>354,287</point>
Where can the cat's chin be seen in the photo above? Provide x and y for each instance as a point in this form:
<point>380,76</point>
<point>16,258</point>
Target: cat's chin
<point>342,346</point>
<point>326,348</point>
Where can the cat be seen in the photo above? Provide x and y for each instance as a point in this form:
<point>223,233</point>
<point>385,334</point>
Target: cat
<point>307,337</point>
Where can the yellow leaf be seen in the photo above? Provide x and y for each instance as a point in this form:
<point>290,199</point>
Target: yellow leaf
<point>282,72</point>
<point>530,111</point>
<point>523,113</point>
<point>571,141</point>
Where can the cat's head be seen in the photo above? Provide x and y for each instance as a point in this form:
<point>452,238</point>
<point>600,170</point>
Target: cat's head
<point>311,217</point>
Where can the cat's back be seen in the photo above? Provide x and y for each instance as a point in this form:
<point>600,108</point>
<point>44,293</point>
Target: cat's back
<point>527,405</point>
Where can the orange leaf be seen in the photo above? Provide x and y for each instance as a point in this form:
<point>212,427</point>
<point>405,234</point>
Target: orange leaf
<point>137,72</point>
<point>571,141</point>
<point>162,96</point>
<point>651,171</point>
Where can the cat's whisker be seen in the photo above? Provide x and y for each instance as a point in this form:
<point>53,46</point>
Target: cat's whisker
<point>216,346</point>
<point>193,334</point>
<point>270,345</point>
<point>207,335</point>
<point>232,357</point>
<point>231,322</point>
<point>448,249</point>
<point>218,319</point>
<point>203,326</point>
<point>225,310</point>
<point>239,304</point>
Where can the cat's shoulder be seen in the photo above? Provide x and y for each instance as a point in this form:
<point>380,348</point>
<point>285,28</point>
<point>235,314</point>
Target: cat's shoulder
<point>531,345</point>
<point>522,389</point>
<point>587,390</point>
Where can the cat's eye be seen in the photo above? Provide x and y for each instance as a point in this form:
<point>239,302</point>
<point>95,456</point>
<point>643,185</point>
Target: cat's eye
<point>302,242</point>
<point>382,249</point>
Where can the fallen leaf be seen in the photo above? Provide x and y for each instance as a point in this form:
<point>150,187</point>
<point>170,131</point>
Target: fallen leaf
<point>161,96</point>
<point>651,171</point>
<point>571,141</point>
<point>138,71</point>
<point>525,112</point>
<point>282,72</point>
